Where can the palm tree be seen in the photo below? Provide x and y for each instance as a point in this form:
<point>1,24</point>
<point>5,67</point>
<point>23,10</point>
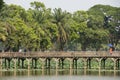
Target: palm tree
<point>40,18</point>
<point>61,20</point>
<point>44,28</point>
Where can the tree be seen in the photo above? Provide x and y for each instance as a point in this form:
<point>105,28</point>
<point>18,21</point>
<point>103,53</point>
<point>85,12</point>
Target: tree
<point>22,38</point>
<point>8,21</point>
<point>105,17</point>
<point>6,28</point>
<point>39,6</point>
<point>1,4</point>
<point>42,17</point>
<point>2,32</point>
<point>81,17</point>
<point>38,28</point>
<point>61,19</point>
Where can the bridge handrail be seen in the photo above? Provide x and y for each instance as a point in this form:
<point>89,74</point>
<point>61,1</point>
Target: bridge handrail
<point>61,54</point>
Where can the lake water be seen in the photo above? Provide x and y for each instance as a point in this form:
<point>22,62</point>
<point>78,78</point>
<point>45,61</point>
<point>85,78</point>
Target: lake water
<point>59,75</point>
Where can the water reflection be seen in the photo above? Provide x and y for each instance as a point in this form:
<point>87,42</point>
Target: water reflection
<point>6,75</point>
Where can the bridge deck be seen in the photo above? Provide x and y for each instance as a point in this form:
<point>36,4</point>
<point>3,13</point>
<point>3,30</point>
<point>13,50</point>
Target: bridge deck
<point>81,54</point>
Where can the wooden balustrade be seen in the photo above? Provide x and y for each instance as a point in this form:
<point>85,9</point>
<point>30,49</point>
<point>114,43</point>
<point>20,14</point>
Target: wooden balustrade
<point>69,54</point>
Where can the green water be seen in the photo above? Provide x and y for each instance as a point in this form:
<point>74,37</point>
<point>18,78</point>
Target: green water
<point>59,75</point>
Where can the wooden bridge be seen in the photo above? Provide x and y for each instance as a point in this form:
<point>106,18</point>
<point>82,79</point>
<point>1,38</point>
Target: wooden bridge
<point>7,59</point>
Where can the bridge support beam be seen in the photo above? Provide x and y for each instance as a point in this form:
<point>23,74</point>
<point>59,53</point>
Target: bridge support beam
<point>34,63</point>
<point>23,63</point>
<point>28,61</point>
<point>75,63</point>
<point>118,64</point>
<point>99,63</point>
<point>7,63</point>
<point>15,62</point>
<point>62,63</point>
<point>85,63</point>
<point>0,63</point>
<point>56,62</point>
<point>89,63</point>
<point>18,62</point>
<point>9,60</point>
<point>115,63</point>
<point>47,63</point>
<point>103,63</point>
<point>71,63</point>
<point>43,60</point>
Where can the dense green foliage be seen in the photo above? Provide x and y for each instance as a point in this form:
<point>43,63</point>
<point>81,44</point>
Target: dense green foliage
<point>1,4</point>
<point>40,29</point>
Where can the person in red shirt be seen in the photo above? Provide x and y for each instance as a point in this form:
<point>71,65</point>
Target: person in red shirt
<point>111,50</point>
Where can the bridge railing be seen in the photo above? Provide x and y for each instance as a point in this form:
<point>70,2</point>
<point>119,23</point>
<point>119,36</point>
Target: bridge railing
<point>61,54</point>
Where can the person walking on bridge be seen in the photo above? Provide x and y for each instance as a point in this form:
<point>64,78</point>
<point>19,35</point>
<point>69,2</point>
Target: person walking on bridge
<point>111,49</point>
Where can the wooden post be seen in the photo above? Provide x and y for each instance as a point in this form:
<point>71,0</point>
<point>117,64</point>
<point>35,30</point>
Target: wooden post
<point>46,63</point>
<point>29,60</point>
<point>89,63</point>
<point>15,66</point>
<point>49,63</point>
<point>76,63</point>
<point>59,63</point>
<point>71,65</point>
<point>5,63</point>
<point>71,60</point>
<point>23,63</point>
<point>9,60</point>
<point>35,63</point>
<point>118,64</point>
<point>0,63</point>
<point>43,60</point>
<point>99,63</point>
<point>115,62</point>
<point>103,63</point>
<point>85,63</point>
<point>18,62</point>
<point>32,63</point>
<point>62,63</point>
<point>56,61</point>
<point>56,66</point>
